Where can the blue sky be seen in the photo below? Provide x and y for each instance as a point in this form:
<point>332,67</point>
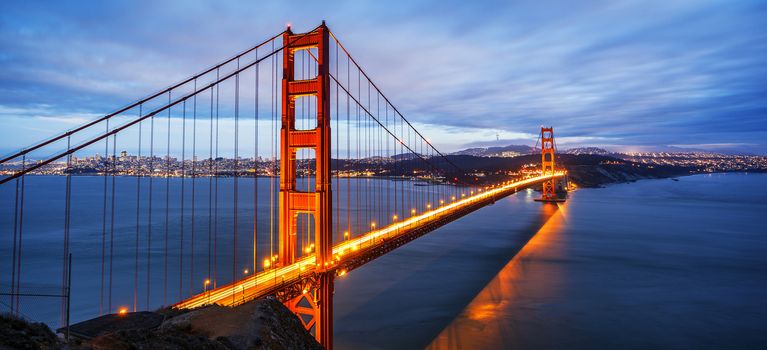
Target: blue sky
<point>627,75</point>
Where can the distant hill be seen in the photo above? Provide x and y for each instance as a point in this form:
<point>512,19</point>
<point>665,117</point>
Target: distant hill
<point>589,150</point>
<point>405,156</point>
<point>505,151</point>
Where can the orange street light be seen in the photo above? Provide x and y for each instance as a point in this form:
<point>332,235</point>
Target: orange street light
<point>122,310</point>
<point>428,205</point>
<point>395,217</point>
<point>346,234</point>
<point>205,285</point>
<point>373,225</point>
<point>245,271</point>
<point>267,263</point>
<point>412,211</point>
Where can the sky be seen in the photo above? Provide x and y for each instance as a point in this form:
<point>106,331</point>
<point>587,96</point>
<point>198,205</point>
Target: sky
<point>624,75</point>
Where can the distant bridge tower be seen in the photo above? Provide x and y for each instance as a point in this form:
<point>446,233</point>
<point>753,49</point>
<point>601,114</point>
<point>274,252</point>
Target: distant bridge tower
<point>315,301</point>
<point>549,193</point>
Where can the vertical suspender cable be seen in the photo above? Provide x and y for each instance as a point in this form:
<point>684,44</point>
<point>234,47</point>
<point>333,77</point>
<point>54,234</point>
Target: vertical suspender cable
<point>338,159</point>
<point>236,171</point>
<point>210,188</point>
<point>21,240</point>
<point>182,204</point>
<point>215,189</point>
<point>67,211</point>
<point>357,126</point>
<point>167,209</point>
<point>305,113</point>
<point>255,172</point>
<point>348,155</point>
<point>13,256</point>
<point>149,214</point>
<point>138,215</point>
<point>368,204</point>
<point>386,154</point>
<point>194,191</point>
<point>104,222</point>
<point>378,154</point>
<point>272,172</point>
<point>112,223</point>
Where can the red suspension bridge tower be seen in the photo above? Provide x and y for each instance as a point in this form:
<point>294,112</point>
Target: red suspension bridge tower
<point>315,302</point>
<point>548,149</point>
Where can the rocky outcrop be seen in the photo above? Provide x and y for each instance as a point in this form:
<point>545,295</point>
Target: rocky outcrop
<point>17,333</point>
<point>259,324</point>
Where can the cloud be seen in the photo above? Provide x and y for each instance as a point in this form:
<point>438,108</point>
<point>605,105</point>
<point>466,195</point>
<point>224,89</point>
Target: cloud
<point>608,73</point>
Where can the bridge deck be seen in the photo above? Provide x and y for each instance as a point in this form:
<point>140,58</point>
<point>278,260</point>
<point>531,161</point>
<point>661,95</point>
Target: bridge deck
<point>355,251</point>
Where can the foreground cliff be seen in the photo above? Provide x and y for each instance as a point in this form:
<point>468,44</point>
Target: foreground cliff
<point>16,333</point>
<point>259,324</point>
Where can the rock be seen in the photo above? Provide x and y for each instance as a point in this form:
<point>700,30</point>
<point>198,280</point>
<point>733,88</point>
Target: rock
<point>258,324</point>
<point>17,333</point>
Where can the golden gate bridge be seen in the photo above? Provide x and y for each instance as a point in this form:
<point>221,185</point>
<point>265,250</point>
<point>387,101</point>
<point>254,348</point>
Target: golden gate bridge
<point>297,109</point>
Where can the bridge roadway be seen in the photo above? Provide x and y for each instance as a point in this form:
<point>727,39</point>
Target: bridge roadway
<point>354,252</point>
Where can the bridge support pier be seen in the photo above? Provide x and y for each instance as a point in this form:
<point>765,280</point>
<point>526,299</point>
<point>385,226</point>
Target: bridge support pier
<point>324,314</point>
<point>317,203</point>
<point>314,307</point>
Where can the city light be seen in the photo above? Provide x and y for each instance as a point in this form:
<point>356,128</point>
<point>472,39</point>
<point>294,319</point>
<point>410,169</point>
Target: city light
<point>122,311</point>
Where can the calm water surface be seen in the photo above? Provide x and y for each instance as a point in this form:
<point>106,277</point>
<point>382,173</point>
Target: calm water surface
<point>653,264</point>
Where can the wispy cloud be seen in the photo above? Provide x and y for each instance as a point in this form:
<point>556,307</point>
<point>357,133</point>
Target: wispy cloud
<point>603,73</point>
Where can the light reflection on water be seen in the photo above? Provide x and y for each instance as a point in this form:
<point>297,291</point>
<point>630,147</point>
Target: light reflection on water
<point>482,323</point>
<point>652,264</point>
